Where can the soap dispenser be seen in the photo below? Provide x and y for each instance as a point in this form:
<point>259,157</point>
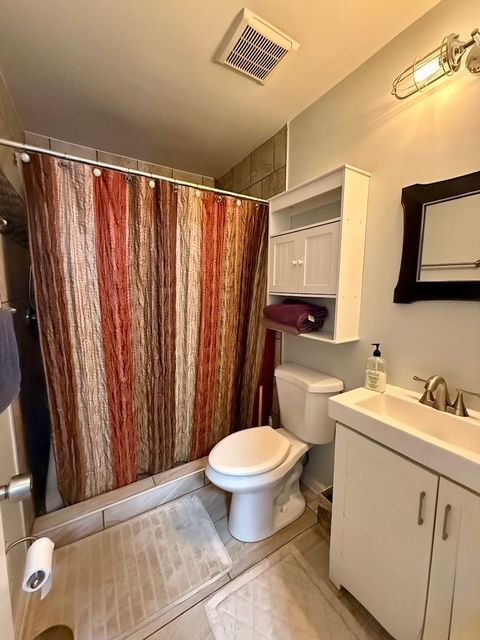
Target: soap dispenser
<point>376,375</point>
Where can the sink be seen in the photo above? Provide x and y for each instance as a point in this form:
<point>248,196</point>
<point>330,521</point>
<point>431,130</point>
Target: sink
<point>444,442</point>
<point>439,424</point>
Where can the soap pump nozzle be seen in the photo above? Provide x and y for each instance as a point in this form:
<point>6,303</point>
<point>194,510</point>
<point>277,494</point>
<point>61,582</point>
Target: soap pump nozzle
<point>376,351</point>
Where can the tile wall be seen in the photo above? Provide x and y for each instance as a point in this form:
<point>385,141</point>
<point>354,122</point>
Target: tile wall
<point>106,510</point>
<point>261,174</point>
<point>123,161</point>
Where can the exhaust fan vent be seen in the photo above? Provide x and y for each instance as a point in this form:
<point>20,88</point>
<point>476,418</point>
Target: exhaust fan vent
<point>255,47</point>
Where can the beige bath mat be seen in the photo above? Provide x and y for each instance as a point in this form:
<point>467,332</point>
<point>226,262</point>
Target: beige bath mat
<point>280,598</point>
<point>116,581</point>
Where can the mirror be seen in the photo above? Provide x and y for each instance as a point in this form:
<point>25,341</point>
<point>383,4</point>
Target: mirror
<point>450,242</point>
<point>441,241</point>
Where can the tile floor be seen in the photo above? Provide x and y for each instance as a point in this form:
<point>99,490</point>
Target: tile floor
<point>188,621</point>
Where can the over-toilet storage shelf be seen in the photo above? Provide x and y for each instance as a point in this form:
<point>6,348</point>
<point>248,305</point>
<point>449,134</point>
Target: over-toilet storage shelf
<point>316,248</point>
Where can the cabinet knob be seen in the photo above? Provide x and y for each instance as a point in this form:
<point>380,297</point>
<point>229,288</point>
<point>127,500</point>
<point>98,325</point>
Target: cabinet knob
<point>300,262</point>
<point>294,262</point>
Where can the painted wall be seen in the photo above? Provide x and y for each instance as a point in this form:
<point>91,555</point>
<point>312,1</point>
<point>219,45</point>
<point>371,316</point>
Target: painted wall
<point>426,138</point>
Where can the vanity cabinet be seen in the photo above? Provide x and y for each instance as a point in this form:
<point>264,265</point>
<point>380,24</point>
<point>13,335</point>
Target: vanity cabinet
<point>388,514</point>
<point>305,261</point>
<point>316,249</point>
<point>382,527</point>
<point>453,611</point>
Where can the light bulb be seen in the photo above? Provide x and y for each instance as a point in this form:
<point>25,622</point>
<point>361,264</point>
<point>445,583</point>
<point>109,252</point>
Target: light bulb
<point>425,71</point>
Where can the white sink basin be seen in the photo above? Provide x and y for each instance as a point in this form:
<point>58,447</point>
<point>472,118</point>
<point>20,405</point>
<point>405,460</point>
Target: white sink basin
<point>441,441</point>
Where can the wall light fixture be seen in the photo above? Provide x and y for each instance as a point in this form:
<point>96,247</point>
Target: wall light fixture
<point>442,61</point>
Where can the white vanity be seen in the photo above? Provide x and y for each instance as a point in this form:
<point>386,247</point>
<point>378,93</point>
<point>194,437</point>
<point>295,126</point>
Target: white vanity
<point>406,513</point>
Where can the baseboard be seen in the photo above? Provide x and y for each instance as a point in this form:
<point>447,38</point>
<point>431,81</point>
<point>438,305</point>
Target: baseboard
<point>312,483</point>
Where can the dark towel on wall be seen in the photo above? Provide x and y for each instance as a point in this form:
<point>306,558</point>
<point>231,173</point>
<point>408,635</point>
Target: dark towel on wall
<point>9,363</point>
<point>303,317</point>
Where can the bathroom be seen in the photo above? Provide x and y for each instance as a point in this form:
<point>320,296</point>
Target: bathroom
<point>135,119</point>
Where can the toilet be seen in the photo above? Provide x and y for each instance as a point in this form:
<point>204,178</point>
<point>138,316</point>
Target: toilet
<point>262,466</point>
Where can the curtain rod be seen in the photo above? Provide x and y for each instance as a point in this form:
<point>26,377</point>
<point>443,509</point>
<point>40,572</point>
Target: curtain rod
<point>66,156</point>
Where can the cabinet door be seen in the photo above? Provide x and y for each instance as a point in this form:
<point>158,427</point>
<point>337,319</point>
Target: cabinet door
<point>382,531</point>
<point>453,610</point>
<point>318,259</point>
<point>283,276</point>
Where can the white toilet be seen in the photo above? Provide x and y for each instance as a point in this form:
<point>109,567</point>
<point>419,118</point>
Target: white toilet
<point>262,466</point>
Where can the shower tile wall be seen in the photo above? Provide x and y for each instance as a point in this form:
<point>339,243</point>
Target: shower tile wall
<point>84,518</point>
<point>113,158</point>
<point>261,174</point>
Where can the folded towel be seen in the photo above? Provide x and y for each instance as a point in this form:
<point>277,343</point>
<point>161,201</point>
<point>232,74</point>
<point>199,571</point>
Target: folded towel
<point>9,364</point>
<point>302,316</point>
<point>278,326</point>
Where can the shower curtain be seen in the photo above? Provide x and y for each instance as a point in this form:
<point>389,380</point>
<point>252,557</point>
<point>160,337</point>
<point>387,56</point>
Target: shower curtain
<point>149,303</point>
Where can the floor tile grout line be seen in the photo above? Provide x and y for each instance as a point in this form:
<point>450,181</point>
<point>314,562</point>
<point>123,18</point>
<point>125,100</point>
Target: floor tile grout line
<point>189,608</point>
<point>310,526</point>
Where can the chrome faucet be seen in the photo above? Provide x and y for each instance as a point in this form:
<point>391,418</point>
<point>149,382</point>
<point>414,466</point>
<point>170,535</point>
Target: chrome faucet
<point>436,396</point>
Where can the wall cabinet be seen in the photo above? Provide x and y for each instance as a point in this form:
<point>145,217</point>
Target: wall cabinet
<point>316,248</point>
<point>305,261</point>
<point>387,513</point>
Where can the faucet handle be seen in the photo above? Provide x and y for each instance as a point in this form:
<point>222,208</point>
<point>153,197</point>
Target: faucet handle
<point>469,393</point>
<point>459,405</point>
<point>419,379</point>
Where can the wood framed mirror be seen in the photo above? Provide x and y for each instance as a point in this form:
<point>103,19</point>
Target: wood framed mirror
<point>441,241</point>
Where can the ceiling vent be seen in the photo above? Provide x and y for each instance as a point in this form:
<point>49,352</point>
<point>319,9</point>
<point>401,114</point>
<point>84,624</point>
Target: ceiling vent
<point>255,48</point>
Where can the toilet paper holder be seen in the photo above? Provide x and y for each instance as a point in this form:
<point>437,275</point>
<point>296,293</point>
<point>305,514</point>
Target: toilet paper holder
<point>35,579</point>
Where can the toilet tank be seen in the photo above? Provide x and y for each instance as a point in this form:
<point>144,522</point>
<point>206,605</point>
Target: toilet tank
<point>303,395</point>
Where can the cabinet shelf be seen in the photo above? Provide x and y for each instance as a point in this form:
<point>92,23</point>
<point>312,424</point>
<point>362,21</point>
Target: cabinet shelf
<point>307,226</point>
<point>322,336</point>
<point>289,294</point>
<point>327,332</point>
<point>316,248</point>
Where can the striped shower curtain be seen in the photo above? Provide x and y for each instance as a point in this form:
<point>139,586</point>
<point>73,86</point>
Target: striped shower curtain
<point>149,303</point>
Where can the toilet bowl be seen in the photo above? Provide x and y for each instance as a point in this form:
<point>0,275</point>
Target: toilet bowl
<point>262,466</point>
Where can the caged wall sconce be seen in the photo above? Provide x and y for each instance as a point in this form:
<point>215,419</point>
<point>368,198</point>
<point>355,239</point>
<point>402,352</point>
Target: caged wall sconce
<point>442,61</point>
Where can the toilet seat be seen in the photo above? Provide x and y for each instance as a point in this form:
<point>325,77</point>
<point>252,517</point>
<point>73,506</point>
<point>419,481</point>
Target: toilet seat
<point>249,452</point>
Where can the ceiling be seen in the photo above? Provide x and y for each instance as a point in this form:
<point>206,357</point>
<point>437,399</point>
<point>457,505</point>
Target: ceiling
<point>137,78</point>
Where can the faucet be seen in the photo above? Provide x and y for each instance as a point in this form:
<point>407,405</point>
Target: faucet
<point>436,393</point>
<point>440,400</point>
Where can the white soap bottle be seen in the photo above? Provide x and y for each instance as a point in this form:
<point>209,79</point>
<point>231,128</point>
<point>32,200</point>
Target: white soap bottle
<point>376,374</point>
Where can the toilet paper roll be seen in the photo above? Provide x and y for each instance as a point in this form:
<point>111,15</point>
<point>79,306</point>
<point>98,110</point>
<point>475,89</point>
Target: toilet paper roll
<point>38,567</point>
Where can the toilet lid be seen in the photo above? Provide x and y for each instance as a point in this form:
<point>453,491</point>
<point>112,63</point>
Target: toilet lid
<point>249,452</point>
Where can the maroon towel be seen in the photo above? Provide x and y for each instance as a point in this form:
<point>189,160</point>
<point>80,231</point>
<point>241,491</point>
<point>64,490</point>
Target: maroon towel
<point>302,316</point>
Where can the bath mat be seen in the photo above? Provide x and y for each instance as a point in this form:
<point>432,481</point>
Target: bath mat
<point>116,581</point>
<point>283,598</point>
